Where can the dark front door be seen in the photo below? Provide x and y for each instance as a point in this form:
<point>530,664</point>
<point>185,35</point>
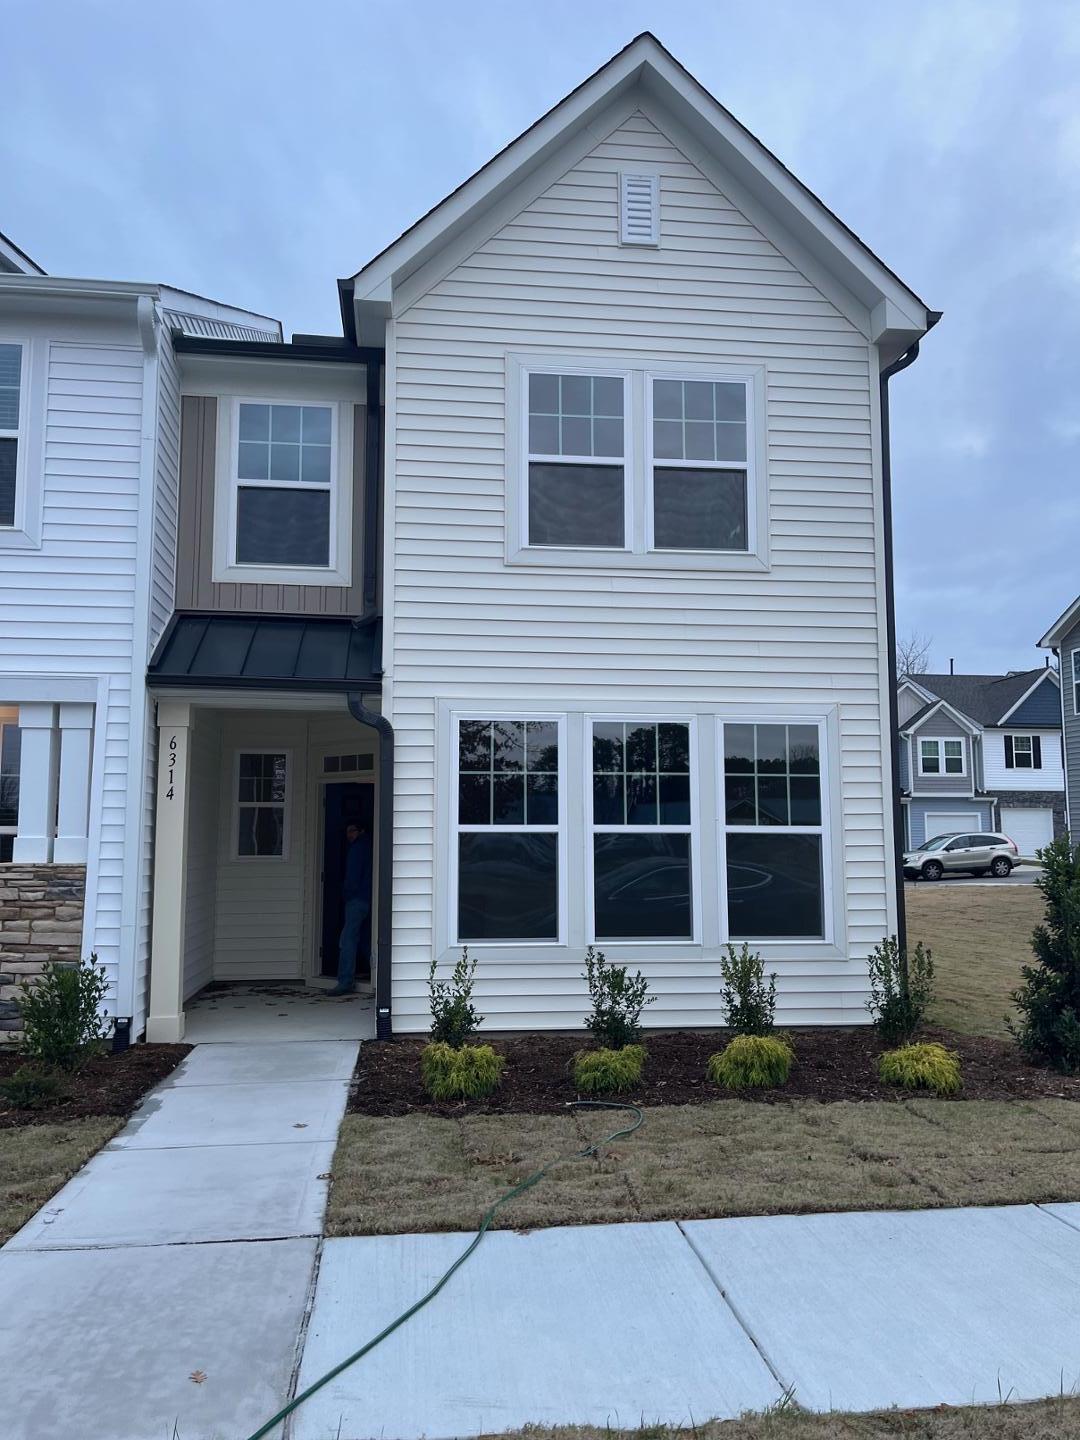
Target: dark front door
<point>343,804</point>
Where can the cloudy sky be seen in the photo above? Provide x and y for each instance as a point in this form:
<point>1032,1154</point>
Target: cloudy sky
<point>254,152</point>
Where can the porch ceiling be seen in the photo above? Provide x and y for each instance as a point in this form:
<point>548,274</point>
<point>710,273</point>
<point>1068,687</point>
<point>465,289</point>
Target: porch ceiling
<point>200,650</point>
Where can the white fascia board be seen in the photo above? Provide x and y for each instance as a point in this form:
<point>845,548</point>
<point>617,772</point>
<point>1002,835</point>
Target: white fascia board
<point>1047,674</point>
<point>926,695</point>
<point>54,285</point>
<point>645,67</point>
<point>1061,626</point>
<point>10,252</point>
<point>181,300</point>
<point>958,715</point>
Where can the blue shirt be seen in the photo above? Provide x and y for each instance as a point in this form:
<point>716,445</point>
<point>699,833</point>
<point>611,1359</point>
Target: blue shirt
<point>358,869</point>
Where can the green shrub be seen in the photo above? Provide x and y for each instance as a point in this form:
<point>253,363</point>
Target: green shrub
<point>601,1072</point>
<point>464,1072</point>
<point>61,1011</point>
<point>749,1003</point>
<point>618,999</point>
<point>31,1089</point>
<point>1049,998</point>
<point>921,1067</point>
<point>752,1062</point>
<point>453,1015</point>
<point>901,987</point>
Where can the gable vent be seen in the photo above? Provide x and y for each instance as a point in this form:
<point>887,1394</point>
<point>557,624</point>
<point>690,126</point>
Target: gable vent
<point>639,209</point>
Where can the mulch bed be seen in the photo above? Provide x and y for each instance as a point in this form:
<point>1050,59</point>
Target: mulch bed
<point>107,1085</point>
<point>830,1064</point>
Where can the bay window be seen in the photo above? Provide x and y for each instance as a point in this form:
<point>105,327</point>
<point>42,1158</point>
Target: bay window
<point>641,831</point>
<point>507,823</point>
<point>774,832</point>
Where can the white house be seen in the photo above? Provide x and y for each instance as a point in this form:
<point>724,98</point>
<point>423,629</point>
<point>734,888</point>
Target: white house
<point>566,569</point>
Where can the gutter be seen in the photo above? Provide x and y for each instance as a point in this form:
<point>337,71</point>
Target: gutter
<point>910,355</point>
<point>384,1019</point>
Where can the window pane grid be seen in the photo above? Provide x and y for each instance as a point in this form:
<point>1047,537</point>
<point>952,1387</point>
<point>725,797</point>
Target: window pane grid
<point>508,775</point>
<point>576,417</point>
<point>641,776</point>
<point>260,804</point>
<point>10,380</point>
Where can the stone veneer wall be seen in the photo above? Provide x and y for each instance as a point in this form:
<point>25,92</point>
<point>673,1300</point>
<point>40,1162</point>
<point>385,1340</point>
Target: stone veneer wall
<point>41,918</point>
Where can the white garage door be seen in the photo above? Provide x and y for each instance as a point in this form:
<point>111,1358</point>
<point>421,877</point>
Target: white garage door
<point>1031,828</point>
<point>944,822</point>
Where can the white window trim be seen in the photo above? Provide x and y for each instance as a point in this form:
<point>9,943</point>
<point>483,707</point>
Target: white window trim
<point>236,805</point>
<point>226,486</point>
<point>1030,752</point>
<point>1076,681</point>
<point>749,466</point>
<point>939,741</point>
<point>494,712</point>
<point>825,830</point>
<point>25,531</point>
<point>592,828</point>
<point>638,371</point>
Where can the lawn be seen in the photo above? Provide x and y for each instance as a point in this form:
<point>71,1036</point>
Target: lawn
<point>1057,1419</point>
<point>980,936</point>
<point>35,1160</point>
<point>423,1172</point>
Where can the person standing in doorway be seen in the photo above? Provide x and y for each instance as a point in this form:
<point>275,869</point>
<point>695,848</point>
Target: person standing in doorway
<point>356,892</point>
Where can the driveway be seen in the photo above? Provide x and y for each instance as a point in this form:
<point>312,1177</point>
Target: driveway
<point>1022,875</point>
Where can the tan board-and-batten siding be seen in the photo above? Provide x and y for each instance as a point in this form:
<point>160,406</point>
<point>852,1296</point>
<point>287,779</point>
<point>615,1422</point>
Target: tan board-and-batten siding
<point>468,626</point>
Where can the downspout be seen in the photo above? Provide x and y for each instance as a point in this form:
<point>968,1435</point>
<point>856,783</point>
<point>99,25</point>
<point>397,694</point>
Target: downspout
<point>384,1026</point>
<point>907,358</point>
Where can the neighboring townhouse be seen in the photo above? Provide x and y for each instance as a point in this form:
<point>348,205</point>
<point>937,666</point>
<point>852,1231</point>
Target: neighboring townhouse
<point>566,568</point>
<point>1063,638</point>
<point>88,444</point>
<point>982,752</point>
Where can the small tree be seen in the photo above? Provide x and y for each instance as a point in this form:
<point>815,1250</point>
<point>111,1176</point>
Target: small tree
<point>454,1020</point>
<point>618,999</point>
<point>62,1013</point>
<point>901,987</point>
<point>1049,998</point>
<point>749,1000</point>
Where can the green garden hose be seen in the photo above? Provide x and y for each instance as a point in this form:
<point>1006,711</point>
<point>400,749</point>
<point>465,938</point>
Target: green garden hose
<point>485,1225</point>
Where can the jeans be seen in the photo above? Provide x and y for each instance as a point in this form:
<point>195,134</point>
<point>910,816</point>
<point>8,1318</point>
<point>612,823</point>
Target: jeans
<point>356,912</point>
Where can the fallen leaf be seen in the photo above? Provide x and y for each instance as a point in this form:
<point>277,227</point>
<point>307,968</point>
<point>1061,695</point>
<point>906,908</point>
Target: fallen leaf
<point>198,1376</point>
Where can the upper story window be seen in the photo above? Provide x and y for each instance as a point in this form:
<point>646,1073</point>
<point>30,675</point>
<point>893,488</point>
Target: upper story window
<point>283,492</point>
<point>941,757</point>
<point>1076,681</point>
<point>1023,752</point>
<point>11,384</point>
<point>641,466</point>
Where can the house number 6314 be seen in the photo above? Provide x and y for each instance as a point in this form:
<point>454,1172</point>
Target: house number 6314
<point>171,773</point>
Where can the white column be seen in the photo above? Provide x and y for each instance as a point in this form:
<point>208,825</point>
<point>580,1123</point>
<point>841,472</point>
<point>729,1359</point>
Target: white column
<point>165,1021</point>
<point>37,783</point>
<point>73,813</point>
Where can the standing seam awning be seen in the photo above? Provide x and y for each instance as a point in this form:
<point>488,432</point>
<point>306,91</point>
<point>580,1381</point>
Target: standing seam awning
<point>268,652</point>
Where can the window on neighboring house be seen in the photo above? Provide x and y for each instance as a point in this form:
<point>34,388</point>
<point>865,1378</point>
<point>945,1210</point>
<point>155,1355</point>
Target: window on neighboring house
<point>774,832</point>
<point>10,737</point>
<point>507,805</point>
<point>11,366</point>
<point>285,467</point>
<point>262,795</point>
<point>1076,681</point>
<point>699,464</point>
<point>941,757</point>
<point>1023,752</point>
<point>576,460</point>
<point>642,834</point>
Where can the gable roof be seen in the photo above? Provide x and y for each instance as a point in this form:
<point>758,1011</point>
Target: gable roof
<point>986,699</point>
<point>1065,622</point>
<point>964,721</point>
<point>15,261</point>
<point>645,73</point>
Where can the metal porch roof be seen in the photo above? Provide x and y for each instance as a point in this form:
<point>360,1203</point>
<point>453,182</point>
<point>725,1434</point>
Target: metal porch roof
<point>271,652</point>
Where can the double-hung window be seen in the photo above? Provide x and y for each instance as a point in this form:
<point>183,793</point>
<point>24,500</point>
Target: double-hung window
<point>262,794</point>
<point>11,387</point>
<point>507,821</point>
<point>699,464</point>
<point>1023,752</point>
<point>576,460</point>
<point>1076,681</point>
<point>642,832</point>
<point>284,478</point>
<point>941,757</point>
<point>774,832</point>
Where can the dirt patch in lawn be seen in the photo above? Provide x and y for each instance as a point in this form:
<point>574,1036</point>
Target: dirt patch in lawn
<point>36,1160</point>
<point>830,1064</point>
<point>107,1085</point>
<point>421,1172</point>
<point>980,936</point>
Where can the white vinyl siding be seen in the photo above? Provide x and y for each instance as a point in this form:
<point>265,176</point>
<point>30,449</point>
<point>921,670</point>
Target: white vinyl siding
<point>465,625</point>
<point>997,776</point>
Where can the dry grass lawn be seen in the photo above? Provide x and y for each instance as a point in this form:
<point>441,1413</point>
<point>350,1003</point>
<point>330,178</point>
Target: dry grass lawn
<point>421,1172</point>
<point>1057,1419</point>
<point>35,1160</point>
<point>980,936</point>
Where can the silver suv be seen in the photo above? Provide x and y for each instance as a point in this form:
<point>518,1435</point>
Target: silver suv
<point>973,854</point>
